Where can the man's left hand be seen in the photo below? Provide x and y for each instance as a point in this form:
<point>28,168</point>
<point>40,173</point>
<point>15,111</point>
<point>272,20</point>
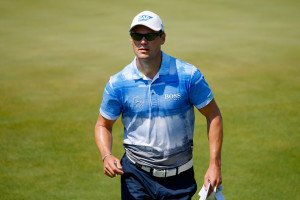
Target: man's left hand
<point>213,175</point>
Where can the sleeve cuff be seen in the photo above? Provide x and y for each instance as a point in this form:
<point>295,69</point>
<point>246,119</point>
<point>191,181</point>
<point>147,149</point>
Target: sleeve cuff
<point>106,116</point>
<point>206,102</point>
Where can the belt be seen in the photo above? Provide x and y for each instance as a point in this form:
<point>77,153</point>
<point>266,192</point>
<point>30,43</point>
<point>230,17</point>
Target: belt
<point>161,173</point>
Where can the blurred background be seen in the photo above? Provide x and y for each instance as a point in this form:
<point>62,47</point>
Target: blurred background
<point>56,57</point>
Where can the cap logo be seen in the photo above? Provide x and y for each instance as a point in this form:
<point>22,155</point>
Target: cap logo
<point>144,18</point>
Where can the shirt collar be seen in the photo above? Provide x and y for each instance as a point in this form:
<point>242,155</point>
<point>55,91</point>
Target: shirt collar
<point>164,68</point>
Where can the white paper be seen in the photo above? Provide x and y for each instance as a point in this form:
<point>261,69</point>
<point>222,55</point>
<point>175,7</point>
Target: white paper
<point>215,195</point>
<point>203,192</point>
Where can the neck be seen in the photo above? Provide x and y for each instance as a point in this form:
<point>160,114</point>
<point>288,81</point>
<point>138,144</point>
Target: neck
<point>149,67</point>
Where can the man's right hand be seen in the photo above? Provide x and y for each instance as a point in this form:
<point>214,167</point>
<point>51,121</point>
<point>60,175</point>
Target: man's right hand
<point>112,166</point>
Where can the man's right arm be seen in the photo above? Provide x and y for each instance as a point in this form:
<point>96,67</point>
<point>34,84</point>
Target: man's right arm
<point>103,139</point>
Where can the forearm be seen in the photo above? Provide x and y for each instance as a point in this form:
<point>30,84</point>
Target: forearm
<point>103,139</point>
<point>103,136</point>
<point>215,137</point>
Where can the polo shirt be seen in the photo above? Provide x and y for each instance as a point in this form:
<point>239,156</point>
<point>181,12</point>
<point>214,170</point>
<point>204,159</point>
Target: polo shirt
<point>157,114</point>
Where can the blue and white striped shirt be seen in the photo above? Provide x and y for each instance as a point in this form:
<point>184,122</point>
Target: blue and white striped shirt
<point>157,114</point>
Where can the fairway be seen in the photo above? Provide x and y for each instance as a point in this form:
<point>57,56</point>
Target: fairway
<point>56,57</point>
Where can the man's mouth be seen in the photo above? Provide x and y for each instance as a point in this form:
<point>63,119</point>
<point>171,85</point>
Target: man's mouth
<point>143,49</point>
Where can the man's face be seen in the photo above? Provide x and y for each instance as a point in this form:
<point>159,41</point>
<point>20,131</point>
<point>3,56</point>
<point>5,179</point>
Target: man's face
<point>145,49</point>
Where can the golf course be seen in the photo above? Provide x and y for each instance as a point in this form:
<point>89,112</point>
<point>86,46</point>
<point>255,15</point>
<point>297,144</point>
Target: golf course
<point>57,56</point>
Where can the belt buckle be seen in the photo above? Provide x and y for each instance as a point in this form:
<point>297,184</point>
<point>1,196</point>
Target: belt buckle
<point>159,172</point>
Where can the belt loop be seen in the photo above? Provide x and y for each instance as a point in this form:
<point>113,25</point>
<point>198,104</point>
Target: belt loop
<point>151,171</point>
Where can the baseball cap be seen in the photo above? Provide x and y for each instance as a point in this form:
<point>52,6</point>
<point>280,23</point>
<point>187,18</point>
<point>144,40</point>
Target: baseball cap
<point>148,19</point>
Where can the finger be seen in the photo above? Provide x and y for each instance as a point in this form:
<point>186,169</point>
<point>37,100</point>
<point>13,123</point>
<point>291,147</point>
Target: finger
<point>219,182</point>
<point>113,168</point>
<point>118,168</point>
<point>208,187</point>
<point>118,164</point>
<point>108,173</point>
<point>213,183</point>
<point>109,170</point>
<point>206,183</point>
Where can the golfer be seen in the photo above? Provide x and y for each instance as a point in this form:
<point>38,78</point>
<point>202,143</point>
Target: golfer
<point>155,95</point>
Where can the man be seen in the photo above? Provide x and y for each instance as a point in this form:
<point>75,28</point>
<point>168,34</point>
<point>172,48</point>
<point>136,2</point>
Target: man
<point>156,95</point>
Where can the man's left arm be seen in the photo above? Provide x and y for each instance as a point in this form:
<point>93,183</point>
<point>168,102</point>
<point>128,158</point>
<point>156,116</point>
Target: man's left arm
<point>215,138</point>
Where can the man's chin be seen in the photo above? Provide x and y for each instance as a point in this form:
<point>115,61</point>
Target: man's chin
<point>142,56</point>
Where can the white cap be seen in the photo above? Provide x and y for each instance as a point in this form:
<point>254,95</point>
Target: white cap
<point>148,19</point>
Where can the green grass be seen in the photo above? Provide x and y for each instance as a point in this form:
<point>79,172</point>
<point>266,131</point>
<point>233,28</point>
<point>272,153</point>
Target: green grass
<point>56,56</point>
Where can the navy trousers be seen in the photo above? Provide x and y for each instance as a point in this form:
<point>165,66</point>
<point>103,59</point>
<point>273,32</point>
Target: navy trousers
<point>137,184</point>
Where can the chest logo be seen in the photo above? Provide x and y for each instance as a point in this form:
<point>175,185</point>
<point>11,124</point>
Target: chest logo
<point>175,96</point>
<point>138,102</point>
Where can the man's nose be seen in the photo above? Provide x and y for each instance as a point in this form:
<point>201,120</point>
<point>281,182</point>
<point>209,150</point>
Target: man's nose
<point>144,41</point>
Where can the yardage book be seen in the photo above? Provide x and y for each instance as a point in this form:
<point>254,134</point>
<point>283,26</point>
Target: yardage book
<point>213,195</point>
<point>203,192</point>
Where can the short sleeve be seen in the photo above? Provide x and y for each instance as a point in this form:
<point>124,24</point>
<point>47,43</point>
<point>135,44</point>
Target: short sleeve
<point>200,93</point>
<point>111,105</point>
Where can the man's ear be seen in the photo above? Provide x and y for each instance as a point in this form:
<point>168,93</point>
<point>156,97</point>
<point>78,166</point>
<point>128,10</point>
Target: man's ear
<point>163,36</point>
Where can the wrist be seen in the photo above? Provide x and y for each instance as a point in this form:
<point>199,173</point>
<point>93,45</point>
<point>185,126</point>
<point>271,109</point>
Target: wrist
<point>215,162</point>
<point>105,156</point>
